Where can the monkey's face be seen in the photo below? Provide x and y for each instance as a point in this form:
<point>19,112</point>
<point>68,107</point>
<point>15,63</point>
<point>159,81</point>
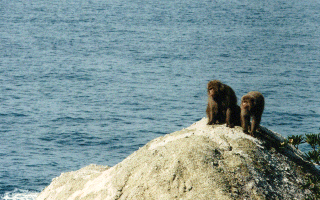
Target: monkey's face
<point>214,89</point>
<point>214,93</point>
<point>246,104</point>
<point>211,92</point>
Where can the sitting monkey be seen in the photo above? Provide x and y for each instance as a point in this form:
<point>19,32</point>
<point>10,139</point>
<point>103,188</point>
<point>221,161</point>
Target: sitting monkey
<point>222,105</point>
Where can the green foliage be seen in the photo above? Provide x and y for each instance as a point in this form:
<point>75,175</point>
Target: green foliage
<point>296,140</point>
<point>313,183</point>
<point>313,156</point>
<point>313,140</point>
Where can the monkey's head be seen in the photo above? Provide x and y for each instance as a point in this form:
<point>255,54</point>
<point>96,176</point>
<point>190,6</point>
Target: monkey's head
<point>247,102</point>
<point>215,88</point>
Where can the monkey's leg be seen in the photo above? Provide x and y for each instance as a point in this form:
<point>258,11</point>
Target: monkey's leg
<point>255,123</point>
<point>245,121</point>
<point>229,114</point>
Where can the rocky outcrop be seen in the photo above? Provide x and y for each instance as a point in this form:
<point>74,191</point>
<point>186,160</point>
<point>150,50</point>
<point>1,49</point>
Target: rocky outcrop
<point>199,162</point>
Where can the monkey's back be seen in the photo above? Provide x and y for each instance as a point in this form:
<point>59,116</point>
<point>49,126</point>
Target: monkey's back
<point>230,95</point>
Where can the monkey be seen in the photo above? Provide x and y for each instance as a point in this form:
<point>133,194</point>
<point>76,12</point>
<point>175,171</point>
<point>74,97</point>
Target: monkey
<point>252,105</point>
<point>222,105</point>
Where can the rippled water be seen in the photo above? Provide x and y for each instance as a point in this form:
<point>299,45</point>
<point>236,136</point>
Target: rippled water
<point>92,81</point>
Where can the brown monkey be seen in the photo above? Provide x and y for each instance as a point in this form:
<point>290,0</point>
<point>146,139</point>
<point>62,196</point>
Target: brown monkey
<point>252,105</point>
<point>222,105</point>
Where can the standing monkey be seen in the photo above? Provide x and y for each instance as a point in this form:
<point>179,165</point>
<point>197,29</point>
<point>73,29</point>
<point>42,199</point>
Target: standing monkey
<point>252,105</point>
<point>222,105</point>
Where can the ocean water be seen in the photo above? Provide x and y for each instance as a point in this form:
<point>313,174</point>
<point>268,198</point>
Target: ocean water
<point>91,81</point>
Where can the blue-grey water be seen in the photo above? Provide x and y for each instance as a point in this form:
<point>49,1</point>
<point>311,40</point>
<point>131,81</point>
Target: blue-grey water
<point>91,81</point>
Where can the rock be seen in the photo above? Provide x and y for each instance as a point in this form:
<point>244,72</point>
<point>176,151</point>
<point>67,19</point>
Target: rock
<point>199,162</point>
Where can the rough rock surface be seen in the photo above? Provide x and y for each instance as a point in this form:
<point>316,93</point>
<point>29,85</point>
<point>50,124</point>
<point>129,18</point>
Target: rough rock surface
<point>199,162</point>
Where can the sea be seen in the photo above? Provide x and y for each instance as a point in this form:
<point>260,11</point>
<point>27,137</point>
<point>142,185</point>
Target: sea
<point>90,81</point>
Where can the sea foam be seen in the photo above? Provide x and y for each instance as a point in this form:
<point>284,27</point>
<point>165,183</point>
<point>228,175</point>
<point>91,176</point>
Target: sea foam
<point>18,194</point>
